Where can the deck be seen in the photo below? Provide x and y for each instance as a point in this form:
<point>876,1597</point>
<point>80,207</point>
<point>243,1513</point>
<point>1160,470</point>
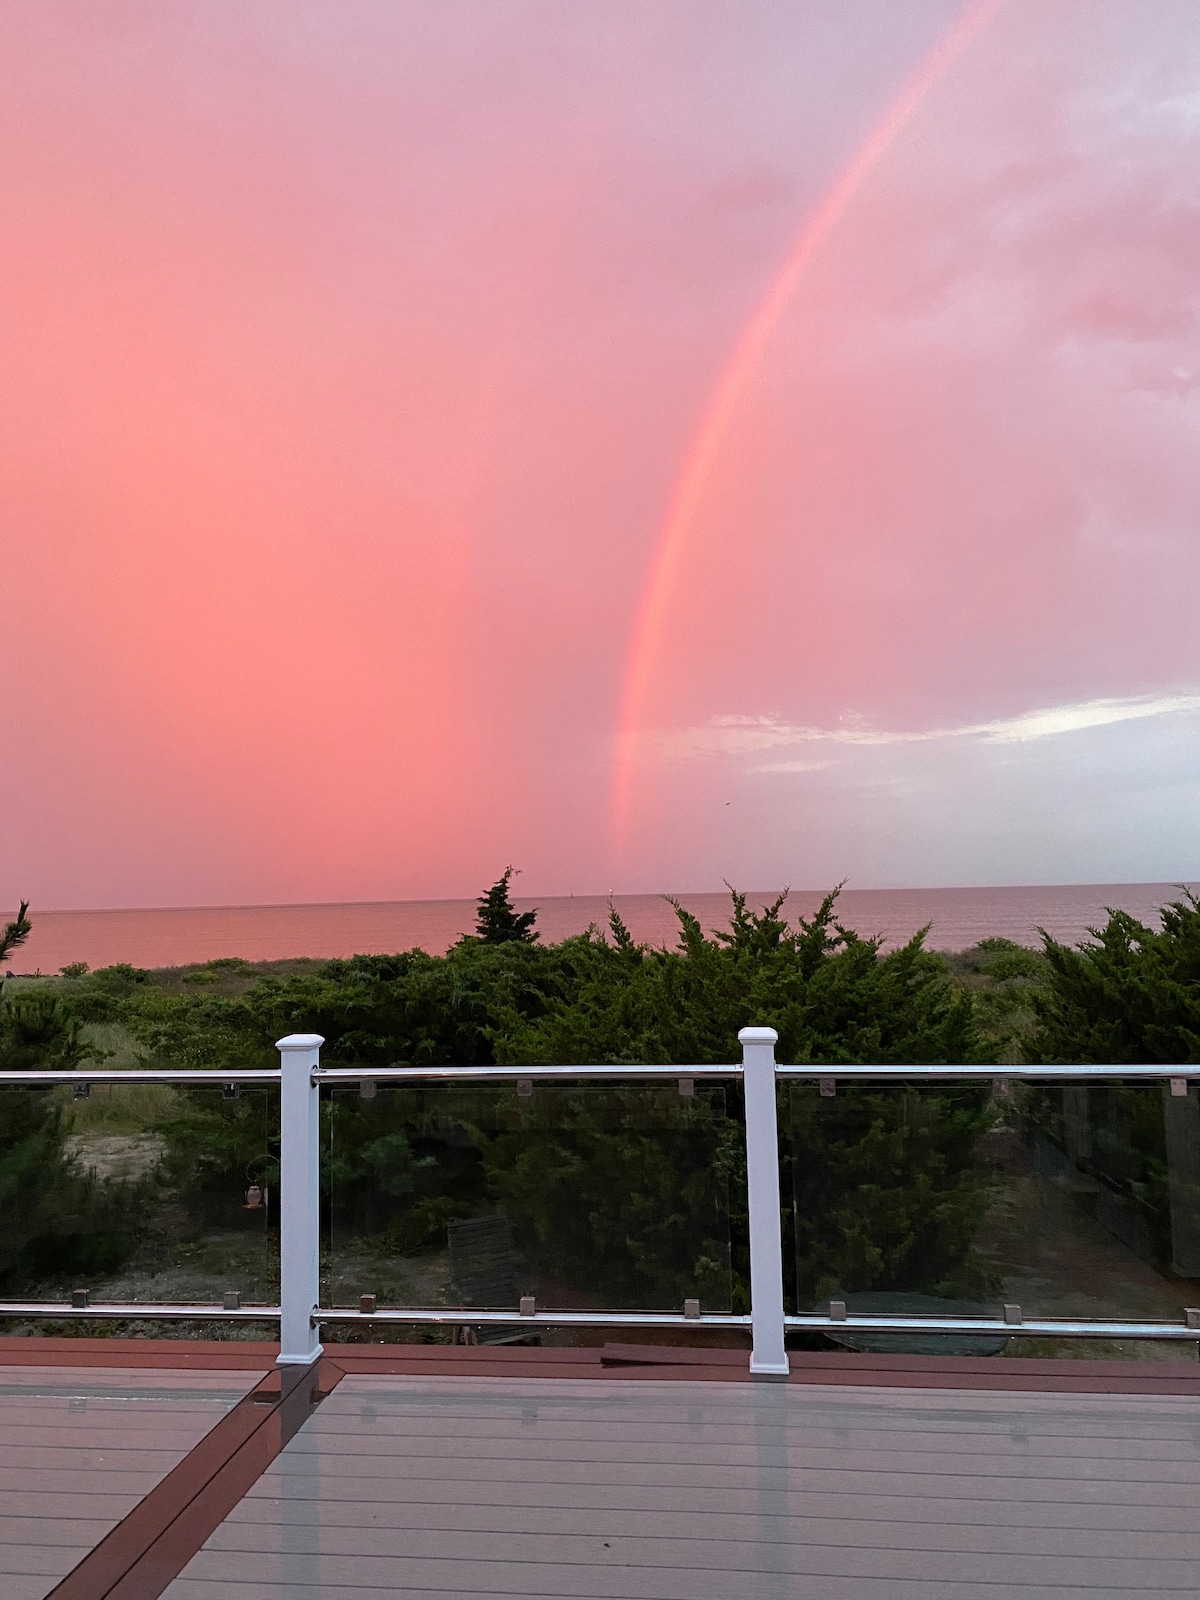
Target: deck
<point>617,1474</point>
<point>80,1448</point>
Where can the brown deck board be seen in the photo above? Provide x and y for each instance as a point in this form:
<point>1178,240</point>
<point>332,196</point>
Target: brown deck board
<point>174,1355</point>
<point>626,1362</point>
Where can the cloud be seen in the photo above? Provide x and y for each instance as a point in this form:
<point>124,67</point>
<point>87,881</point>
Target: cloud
<point>749,735</point>
<point>793,766</point>
<point>1068,719</point>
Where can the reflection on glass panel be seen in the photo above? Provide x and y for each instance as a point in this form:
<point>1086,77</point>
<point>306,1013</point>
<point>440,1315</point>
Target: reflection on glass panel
<point>1097,1213</point>
<point>220,1224</point>
<point>1070,1201</point>
<point>139,1192</point>
<point>890,1196</point>
<point>596,1197</point>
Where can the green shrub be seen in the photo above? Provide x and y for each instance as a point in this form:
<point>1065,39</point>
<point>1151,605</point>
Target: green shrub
<point>603,1201</point>
<point>888,1192</point>
<point>1129,994</point>
<point>58,1221</point>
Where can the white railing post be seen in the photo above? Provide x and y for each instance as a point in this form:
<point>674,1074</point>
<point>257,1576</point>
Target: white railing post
<point>299,1197</point>
<point>768,1357</point>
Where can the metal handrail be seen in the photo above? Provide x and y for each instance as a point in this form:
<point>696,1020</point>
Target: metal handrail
<point>459,1316</point>
<point>141,1310</point>
<point>1026,1328</point>
<point>204,1076</point>
<point>1138,1070</point>
<point>498,1074</point>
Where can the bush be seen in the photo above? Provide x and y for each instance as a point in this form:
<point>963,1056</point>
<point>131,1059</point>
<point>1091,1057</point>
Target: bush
<point>57,1221</point>
<point>39,1033</point>
<point>609,1200</point>
<point>1127,995</point>
<point>888,1193</point>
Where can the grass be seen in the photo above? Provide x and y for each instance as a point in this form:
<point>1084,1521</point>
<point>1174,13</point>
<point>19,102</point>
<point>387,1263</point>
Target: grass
<point>229,976</point>
<point>120,1108</point>
<point>112,1046</point>
<point>117,1108</point>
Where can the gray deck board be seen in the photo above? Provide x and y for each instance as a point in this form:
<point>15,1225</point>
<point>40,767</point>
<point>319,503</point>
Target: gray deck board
<point>602,1490</point>
<point>560,1587</point>
<point>866,1544</point>
<point>83,1531</point>
<point>633,1578</point>
<point>778,1485</point>
<point>768,1452</point>
<point>78,1450</point>
<point>26,1502</point>
<point>18,1587</point>
<point>1099,1534</point>
<point>513,1501</point>
<point>1162,1419</point>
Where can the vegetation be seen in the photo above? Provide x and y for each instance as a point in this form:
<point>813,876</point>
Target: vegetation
<point>58,1221</point>
<point>628,1195</point>
<point>1128,994</point>
<point>15,932</point>
<point>889,1192</point>
<point>498,921</point>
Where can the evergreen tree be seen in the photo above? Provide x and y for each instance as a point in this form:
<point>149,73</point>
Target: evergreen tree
<point>16,932</point>
<point>57,1219</point>
<point>1130,994</point>
<point>35,1029</point>
<point>37,1032</point>
<point>497,921</point>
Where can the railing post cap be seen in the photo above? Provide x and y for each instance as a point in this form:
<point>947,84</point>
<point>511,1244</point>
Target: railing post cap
<point>301,1041</point>
<point>758,1036</point>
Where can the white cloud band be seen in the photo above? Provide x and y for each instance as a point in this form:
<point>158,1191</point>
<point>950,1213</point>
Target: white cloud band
<point>754,735</point>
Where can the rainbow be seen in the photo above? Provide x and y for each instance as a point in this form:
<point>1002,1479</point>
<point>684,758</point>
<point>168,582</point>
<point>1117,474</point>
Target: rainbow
<point>700,460</point>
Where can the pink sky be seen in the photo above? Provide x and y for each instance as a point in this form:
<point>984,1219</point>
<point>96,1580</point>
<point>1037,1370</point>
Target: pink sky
<point>355,357</point>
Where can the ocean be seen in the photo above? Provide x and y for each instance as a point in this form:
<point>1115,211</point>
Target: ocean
<point>171,937</point>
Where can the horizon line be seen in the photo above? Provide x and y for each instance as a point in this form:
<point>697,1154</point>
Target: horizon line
<point>614,895</point>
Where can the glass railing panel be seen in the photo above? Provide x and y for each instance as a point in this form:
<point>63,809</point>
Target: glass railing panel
<point>147,1193</point>
<point>1097,1214</point>
<point>593,1197</point>
<point>1071,1201</point>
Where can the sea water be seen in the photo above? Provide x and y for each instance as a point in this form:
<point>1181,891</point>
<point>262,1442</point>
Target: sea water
<point>957,918</point>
